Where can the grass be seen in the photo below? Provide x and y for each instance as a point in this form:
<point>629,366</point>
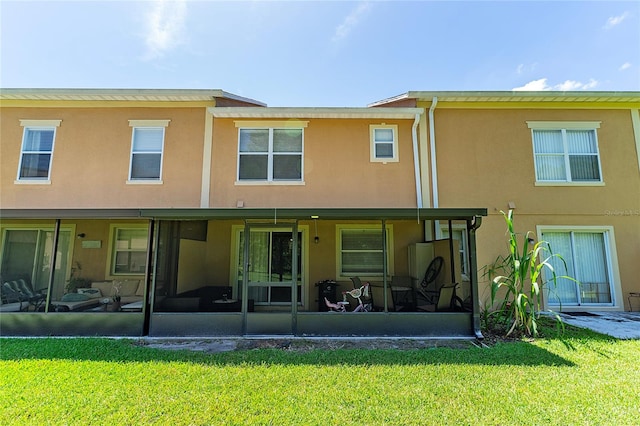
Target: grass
<point>581,378</point>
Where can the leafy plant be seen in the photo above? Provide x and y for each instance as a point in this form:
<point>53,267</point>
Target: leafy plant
<point>520,277</point>
<point>75,282</point>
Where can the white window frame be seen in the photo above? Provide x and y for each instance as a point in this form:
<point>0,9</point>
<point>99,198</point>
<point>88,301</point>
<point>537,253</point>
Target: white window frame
<point>563,126</point>
<point>270,126</point>
<point>147,125</point>
<point>374,143</point>
<point>114,249</point>
<point>464,267</point>
<point>37,125</point>
<point>341,274</point>
<point>611,258</point>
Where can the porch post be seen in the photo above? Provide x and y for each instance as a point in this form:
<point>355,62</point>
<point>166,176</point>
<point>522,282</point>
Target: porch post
<point>245,278</point>
<point>384,265</point>
<point>52,264</point>
<point>472,226</point>
<point>452,254</point>
<point>149,275</point>
<point>294,278</point>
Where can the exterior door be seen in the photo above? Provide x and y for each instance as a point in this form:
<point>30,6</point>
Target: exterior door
<point>586,255</point>
<point>271,270</point>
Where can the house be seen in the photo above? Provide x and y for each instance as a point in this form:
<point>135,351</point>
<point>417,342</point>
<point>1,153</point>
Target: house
<point>154,212</point>
<point>568,165</point>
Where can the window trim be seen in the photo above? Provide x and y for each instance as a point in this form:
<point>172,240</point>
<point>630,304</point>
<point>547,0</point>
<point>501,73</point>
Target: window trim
<point>463,246</point>
<point>372,141</point>
<point>270,126</point>
<point>563,126</point>
<point>27,125</point>
<point>148,125</point>
<point>340,275</point>
<point>611,257</point>
<point>110,267</point>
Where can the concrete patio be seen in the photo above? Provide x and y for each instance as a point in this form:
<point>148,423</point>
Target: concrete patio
<point>622,325</point>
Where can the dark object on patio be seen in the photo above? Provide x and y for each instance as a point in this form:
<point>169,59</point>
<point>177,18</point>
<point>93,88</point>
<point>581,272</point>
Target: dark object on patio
<point>326,289</point>
<point>21,289</point>
<point>403,294</point>
<point>428,286</point>
<point>204,299</point>
<point>447,301</point>
<point>581,314</point>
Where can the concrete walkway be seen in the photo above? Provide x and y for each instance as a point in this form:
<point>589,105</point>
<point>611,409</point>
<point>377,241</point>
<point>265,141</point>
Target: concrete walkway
<point>622,325</point>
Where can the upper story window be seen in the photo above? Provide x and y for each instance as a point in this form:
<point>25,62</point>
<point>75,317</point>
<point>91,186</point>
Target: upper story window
<point>37,150</point>
<point>384,143</point>
<point>147,147</point>
<point>566,152</point>
<point>270,154</point>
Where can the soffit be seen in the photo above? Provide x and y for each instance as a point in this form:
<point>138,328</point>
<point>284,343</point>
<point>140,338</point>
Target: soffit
<point>107,95</point>
<point>518,97</point>
<point>276,112</point>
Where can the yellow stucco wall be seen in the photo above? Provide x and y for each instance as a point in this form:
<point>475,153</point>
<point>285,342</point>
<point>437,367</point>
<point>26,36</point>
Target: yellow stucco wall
<point>337,169</point>
<point>485,159</point>
<point>91,159</point>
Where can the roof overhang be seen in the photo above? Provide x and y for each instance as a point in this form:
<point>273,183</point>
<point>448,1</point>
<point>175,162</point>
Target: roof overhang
<point>269,214</point>
<point>515,97</point>
<point>278,112</point>
<point>140,95</point>
<point>317,213</point>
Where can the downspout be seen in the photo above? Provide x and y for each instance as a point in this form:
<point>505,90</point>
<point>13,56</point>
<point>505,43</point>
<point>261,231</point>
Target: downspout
<point>434,170</point>
<point>416,161</point>
<point>432,140</point>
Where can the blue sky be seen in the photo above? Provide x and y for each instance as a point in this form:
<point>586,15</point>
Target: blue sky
<point>325,53</point>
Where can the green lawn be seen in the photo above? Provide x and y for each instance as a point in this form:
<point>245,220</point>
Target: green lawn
<point>583,378</point>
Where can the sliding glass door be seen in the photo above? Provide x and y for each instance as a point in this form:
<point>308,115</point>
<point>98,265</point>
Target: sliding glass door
<point>270,270</point>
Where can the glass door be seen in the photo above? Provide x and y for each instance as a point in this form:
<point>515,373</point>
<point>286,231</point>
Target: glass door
<point>27,253</point>
<point>270,266</point>
<point>586,257</point>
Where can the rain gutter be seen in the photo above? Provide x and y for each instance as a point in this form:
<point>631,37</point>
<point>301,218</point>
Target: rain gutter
<point>416,160</point>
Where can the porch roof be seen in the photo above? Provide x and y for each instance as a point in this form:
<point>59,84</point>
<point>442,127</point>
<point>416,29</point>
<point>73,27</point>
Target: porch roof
<point>317,213</point>
<point>250,213</point>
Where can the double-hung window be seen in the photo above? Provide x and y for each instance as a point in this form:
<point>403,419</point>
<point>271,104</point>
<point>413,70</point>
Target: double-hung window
<point>147,147</point>
<point>270,155</point>
<point>384,143</point>
<point>566,152</point>
<point>37,150</point>
<point>128,250</point>
<point>360,251</point>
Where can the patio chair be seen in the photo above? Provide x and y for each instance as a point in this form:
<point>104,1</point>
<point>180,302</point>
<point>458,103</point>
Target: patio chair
<point>429,288</point>
<point>23,287</point>
<point>402,293</point>
<point>446,301</point>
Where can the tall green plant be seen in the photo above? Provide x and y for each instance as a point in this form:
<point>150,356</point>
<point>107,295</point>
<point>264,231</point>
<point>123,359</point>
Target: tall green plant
<point>520,274</point>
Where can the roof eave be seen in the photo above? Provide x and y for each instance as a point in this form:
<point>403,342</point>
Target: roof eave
<point>305,113</point>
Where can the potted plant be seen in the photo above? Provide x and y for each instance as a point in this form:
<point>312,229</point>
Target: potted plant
<point>75,282</point>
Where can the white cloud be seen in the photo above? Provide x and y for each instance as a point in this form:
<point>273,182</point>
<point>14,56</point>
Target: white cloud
<point>624,66</point>
<point>533,86</point>
<point>616,20</point>
<point>351,21</point>
<point>568,85</point>
<point>164,27</point>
